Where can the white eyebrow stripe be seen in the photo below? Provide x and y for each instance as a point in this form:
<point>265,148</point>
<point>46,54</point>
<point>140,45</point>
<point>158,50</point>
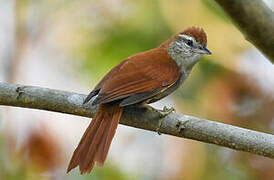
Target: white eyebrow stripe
<point>185,37</point>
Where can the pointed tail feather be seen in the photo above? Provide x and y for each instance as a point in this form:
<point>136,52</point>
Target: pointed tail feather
<point>97,138</point>
<point>102,152</point>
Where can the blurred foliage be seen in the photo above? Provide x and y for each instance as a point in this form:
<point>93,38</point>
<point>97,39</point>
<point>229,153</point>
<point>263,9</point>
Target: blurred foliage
<point>29,163</point>
<point>100,34</point>
<point>122,39</point>
<point>221,168</point>
<point>204,72</point>
<point>101,174</point>
<point>215,8</point>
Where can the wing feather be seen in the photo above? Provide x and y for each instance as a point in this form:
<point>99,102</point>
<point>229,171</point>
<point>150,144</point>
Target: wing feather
<point>143,72</point>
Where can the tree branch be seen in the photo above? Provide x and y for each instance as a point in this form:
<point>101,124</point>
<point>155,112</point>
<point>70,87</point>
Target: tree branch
<point>255,20</point>
<point>142,117</point>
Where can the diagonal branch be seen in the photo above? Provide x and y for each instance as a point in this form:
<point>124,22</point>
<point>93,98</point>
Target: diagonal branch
<point>255,20</point>
<point>142,117</point>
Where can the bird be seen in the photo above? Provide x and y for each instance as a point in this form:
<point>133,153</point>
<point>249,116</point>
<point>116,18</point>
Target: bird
<point>142,78</point>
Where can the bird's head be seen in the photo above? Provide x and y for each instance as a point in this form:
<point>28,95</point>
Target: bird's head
<point>187,47</point>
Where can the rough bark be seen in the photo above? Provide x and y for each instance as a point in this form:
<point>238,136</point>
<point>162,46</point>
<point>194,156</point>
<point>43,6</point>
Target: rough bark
<point>255,20</point>
<point>142,117</point>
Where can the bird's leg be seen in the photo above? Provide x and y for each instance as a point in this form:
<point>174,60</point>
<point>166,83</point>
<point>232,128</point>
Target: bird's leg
<point>163,113</point>
<point>166,111</point>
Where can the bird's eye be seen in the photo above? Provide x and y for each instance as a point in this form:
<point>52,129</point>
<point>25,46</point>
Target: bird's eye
<point>189,42</point>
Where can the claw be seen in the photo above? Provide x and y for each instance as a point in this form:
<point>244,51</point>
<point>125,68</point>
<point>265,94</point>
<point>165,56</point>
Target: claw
<point>166,111</point>
<point>163,113</point>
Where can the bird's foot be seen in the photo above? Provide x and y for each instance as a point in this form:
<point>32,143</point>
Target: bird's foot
<point>163,113</point>
<point>166,111</point>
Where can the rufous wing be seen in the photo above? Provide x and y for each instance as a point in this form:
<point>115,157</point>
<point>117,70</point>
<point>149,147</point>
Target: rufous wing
<point>144,72</point>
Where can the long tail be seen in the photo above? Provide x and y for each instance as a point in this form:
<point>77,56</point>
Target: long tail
<point>97,138</point>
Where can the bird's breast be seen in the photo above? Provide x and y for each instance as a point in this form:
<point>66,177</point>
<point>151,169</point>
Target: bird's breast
<point>184,74</point>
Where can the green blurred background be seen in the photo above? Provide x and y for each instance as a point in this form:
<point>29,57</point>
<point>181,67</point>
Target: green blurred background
<point>70,45</point>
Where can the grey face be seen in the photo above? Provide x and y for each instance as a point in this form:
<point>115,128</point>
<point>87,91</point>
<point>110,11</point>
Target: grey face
<point>189,46</point>
<point>186,51</point>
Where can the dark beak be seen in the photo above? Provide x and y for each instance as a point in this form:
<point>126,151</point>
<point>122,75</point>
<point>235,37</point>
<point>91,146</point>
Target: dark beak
<point>206,51</point>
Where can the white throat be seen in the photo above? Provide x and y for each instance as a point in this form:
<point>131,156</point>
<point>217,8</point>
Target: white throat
<point>184,60</point>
